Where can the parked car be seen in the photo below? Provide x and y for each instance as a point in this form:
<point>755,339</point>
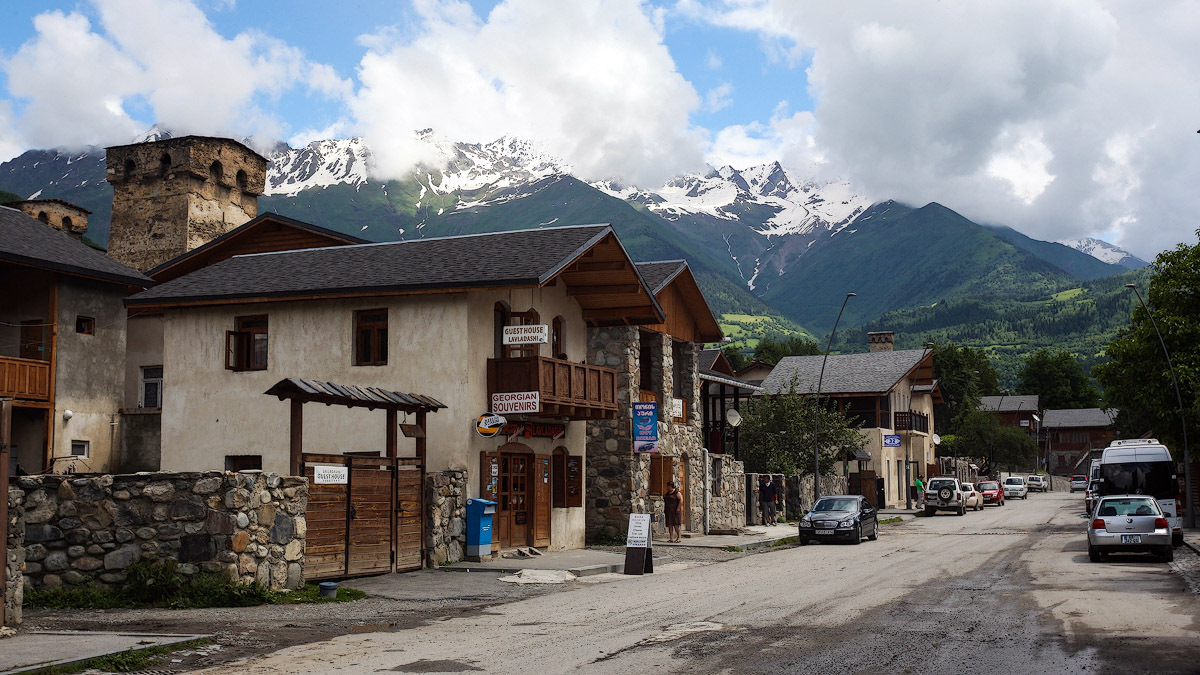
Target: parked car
<point>1090,496</point>
<point>1014,487</point>
<point>991,492</point>
<point>944,494</point>
<point>1037,483</point>
<point>840,518</point>
<point>1129,523</point>
<point>972,499</point>
<point>1079,482</point>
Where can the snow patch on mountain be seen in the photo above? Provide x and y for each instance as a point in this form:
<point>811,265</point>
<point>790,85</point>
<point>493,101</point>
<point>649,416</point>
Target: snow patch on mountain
<point>1105,252</point>
<point>318,164</point>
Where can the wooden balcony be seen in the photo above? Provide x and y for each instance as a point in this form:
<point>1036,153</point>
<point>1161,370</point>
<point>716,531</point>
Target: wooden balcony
<point>573,390</point>
<point>26,379</point>
<point>911,421</point>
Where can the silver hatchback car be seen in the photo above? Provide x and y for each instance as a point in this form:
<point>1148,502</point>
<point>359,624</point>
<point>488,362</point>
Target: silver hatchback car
<point>1128,523</point>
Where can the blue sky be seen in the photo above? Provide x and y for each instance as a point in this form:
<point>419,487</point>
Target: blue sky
<point>1061,118</point>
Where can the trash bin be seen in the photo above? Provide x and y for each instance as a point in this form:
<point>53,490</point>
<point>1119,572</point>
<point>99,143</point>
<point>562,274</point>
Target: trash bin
<point>479,527</point>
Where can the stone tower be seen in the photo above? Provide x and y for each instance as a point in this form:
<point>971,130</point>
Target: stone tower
<point>174,195</point>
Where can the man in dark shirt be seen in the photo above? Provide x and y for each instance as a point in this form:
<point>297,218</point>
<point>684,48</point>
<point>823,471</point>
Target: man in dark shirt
<point>767,493</point>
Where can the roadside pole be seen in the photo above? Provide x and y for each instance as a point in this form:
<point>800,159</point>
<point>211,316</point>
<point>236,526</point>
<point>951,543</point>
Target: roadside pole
<point>5,438</point>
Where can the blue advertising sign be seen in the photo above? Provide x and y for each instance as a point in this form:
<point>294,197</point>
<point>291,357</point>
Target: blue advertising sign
<point>891,440</point>
<point>645,422</point>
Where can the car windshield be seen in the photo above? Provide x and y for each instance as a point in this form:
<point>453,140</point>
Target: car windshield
<point>989,486</point>
<point>1035,479</point>
<point>967,487</point>
<point>1078,478</point>
<point>1014,481</point>
<point>1129,506</point>
<point>939,483</point>
<point>836,505</point>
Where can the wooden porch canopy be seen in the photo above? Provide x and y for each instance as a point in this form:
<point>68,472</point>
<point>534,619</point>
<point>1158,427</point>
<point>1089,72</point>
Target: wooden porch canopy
<point>300,391</point>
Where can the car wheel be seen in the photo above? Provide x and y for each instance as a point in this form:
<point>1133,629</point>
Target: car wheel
<point>929,511</point>
<point>962,510</point>
<point>978,506</point>
<point>857,534</point>
<point>1168,553</point>
<point>874,532</point>
<point>803,541</point>
<point>1177,539</point>
<point>1094,554</point>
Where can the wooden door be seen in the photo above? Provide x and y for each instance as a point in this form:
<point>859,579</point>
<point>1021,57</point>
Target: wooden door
<point>33,340</point>
<point>863,483</point>
<point>325,543</point>
<point>516,500</point>
<point>541,500</point>
<point>409,519</point>
<point>369,542</point>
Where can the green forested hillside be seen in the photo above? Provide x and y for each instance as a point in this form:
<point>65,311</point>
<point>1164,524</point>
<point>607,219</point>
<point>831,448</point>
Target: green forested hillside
<point>1076,263</point>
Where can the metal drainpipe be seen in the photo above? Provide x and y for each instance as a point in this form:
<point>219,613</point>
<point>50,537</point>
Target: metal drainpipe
<point>707,490</point>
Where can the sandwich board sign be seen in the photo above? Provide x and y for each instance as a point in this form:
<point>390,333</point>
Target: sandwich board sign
<point>639,552</point>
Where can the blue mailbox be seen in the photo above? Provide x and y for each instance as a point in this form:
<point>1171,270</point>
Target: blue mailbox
<point>479,526</point>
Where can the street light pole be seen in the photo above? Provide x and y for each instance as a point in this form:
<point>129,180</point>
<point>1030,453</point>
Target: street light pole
<point>817,408</point>
<point>1190,518</point>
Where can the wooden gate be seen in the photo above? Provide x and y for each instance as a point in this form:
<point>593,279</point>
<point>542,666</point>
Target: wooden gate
<point>364,518</point>
<point>863,483</point>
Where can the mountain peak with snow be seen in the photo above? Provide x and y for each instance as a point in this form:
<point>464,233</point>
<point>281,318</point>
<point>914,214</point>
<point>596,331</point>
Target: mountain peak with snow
<point>1105,252</point>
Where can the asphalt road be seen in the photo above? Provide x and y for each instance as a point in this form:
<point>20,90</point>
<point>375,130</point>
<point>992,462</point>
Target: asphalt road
<point>1007,590</point>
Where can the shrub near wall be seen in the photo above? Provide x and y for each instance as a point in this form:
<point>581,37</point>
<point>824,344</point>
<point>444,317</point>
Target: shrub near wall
<point>249,526</point>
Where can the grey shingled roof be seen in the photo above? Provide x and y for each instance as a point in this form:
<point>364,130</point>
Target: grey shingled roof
<point>707,357</point>
<point>1022,403</point>
<point>659,273</point>
<point>28,241</point>
<point>523,257</point>
<point>866,373</point>
<point>1082,417</point>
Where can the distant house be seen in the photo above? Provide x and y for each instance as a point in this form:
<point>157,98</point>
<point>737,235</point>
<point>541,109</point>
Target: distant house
<point>62,362</point>
<point>892,392</point>
<point>755,371</point>
<point>722,391</point>
<point>1070,435</point>
<point>1014,411</point>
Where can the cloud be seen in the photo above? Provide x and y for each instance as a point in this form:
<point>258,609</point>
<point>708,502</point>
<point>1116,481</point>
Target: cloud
<point>590,81</point>
<point>80,84</point>
<point>1063,118</point>
<point>719,97</point>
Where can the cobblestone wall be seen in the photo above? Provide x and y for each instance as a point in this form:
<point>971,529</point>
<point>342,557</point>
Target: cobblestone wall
<point>249,526</point>
<point>14,559</point>
<point>727,503</point>
<point>446,515</point>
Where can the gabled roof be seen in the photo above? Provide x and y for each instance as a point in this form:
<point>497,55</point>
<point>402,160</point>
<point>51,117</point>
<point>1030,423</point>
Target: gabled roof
<point>1023,403</point>
<point>260,235</point>
<point>864,373</point>
<point>707,359</point>
<point>28,241</point>
<point>664,275</point>
<point>1084,417</point>
<point>585,258</point>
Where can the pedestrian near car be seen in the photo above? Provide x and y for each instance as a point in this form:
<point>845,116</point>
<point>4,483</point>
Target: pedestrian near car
<point>673,508</point>
<point>920,489</point>
<point>768,492</point>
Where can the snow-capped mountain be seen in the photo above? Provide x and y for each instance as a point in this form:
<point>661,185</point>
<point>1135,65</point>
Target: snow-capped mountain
<point>1105,252</point>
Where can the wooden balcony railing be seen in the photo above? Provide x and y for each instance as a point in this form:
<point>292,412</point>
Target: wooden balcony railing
<point>573,390</point>
<point>911,421</point>
<point>26,379</point>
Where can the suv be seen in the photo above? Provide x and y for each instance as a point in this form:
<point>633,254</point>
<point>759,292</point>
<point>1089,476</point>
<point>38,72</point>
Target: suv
<point>1014,486</point>
<point>1079,482</point>
<point>945,493</point>
<point>1038,483</point>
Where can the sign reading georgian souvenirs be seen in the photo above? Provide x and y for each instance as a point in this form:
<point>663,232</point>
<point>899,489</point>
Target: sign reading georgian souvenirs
<point>537,334</point>
<point>516,402</point>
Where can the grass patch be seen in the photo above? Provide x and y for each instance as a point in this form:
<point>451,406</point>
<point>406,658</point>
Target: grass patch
<point>311,594</point>
<point>894,519</point>
<point>128,661</point>
<point>786,541</point>
<point>734,549</point>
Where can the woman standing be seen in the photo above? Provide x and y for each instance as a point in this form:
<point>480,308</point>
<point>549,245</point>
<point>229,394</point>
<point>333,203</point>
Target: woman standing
<point>673,506</point>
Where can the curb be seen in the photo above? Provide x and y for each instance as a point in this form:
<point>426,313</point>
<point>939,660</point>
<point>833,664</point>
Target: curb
<point>1192,546</point>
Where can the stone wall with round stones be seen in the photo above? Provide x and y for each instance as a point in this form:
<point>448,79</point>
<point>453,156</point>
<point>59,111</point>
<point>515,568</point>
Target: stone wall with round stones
<point>14,559</point>
<point>446,517</point>
<point>249,526</point>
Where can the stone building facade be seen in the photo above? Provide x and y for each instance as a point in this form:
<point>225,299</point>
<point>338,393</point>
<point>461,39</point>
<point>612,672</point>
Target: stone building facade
<point>174,195</point>
<point>56,213</point>
<point>446,517</point>
<point>249,526</point>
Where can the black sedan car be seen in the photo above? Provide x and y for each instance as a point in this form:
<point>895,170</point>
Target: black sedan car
<point>840,518</point>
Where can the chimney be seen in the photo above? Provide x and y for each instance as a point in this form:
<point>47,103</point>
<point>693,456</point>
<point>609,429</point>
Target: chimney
<point>881,341</point>
<point>65,216</point>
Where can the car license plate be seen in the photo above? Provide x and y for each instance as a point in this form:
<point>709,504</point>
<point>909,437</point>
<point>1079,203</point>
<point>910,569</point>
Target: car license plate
<point>824,531</point>
<point>1131,539</point>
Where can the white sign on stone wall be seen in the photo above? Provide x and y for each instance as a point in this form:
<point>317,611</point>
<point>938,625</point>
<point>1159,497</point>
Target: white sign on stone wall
<point>537,334</point>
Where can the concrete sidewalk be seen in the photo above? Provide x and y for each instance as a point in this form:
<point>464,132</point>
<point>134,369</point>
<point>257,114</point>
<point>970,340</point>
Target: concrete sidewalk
<point>34,650</point>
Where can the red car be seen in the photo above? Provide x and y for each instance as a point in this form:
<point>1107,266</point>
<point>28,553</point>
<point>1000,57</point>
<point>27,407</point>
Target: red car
<point>992,492</point>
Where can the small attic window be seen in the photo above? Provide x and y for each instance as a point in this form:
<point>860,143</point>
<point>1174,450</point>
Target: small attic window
<point>130,167</point>
<point>216,171</point>
<point>164,164</point>
<point>66,223</point>
<point>85,325</point>
<point>43,217</point>
<point>242,180</point>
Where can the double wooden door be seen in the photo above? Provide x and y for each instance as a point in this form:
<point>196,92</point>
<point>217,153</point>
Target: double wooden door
<point>519,482</point>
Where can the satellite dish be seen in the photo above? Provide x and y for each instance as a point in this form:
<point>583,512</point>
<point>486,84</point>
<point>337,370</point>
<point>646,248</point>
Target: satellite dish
<point>733,417</point>
<point>937,440</point>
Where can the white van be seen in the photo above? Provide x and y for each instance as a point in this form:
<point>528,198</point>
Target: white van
<point>1143,466</point>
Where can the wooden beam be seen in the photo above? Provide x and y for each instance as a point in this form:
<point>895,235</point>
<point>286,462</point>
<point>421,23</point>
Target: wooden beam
<point>297,438</point>
<point>420,442</point>
<point>610,266</point>
<point>643,314</point>
<point>622,289</point>
<point>391,434</point>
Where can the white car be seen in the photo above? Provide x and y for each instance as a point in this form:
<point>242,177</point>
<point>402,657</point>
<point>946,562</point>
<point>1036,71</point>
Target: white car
<point>972,498</point>
<point>1038,483</point>
<point>1014,486</point>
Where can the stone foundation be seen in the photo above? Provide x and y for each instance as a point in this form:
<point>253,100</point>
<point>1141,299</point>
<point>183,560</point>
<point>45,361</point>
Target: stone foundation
<point>446,517</point>
<point>727,503</point>
<point>14,559</point>
<point>249,526</point>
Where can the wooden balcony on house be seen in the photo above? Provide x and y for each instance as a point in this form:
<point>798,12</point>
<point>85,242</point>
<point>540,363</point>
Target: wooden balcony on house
<point>25,379</point>
<point>911,421</point>
<point>565,389</point>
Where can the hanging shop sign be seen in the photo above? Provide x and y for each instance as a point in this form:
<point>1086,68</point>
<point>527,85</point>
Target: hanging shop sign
<point>489,425</point>
<point>645,422</point>
<point>516,402</point>
<point>537,334</point>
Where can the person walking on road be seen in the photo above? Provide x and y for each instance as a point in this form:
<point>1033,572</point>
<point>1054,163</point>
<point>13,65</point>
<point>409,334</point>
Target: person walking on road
<point>673,508</point>
<point>920,490</point>
<point>768,492</point>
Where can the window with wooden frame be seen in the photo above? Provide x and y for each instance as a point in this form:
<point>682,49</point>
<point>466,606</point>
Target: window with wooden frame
<point>499,320</point>
<point>151,392</point>
<point>566,471</point>
<point>371,337</point>
<point>246,347</point>
<point>85,325</point>
<point>556,338</point>
<point>662,471</point>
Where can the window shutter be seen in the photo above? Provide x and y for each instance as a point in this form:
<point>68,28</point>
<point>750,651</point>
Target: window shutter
<point>231,350</point>
<point>656,475</point>
<point>574,480</point>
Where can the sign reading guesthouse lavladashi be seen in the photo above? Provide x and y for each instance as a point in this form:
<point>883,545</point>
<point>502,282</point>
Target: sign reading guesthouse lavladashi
<point>537,334</point>
<point>511,402</point>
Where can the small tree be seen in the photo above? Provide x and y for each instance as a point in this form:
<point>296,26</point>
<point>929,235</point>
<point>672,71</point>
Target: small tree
<point>776,434</point>
<point>1058,379</point>
<point>770,349</point>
